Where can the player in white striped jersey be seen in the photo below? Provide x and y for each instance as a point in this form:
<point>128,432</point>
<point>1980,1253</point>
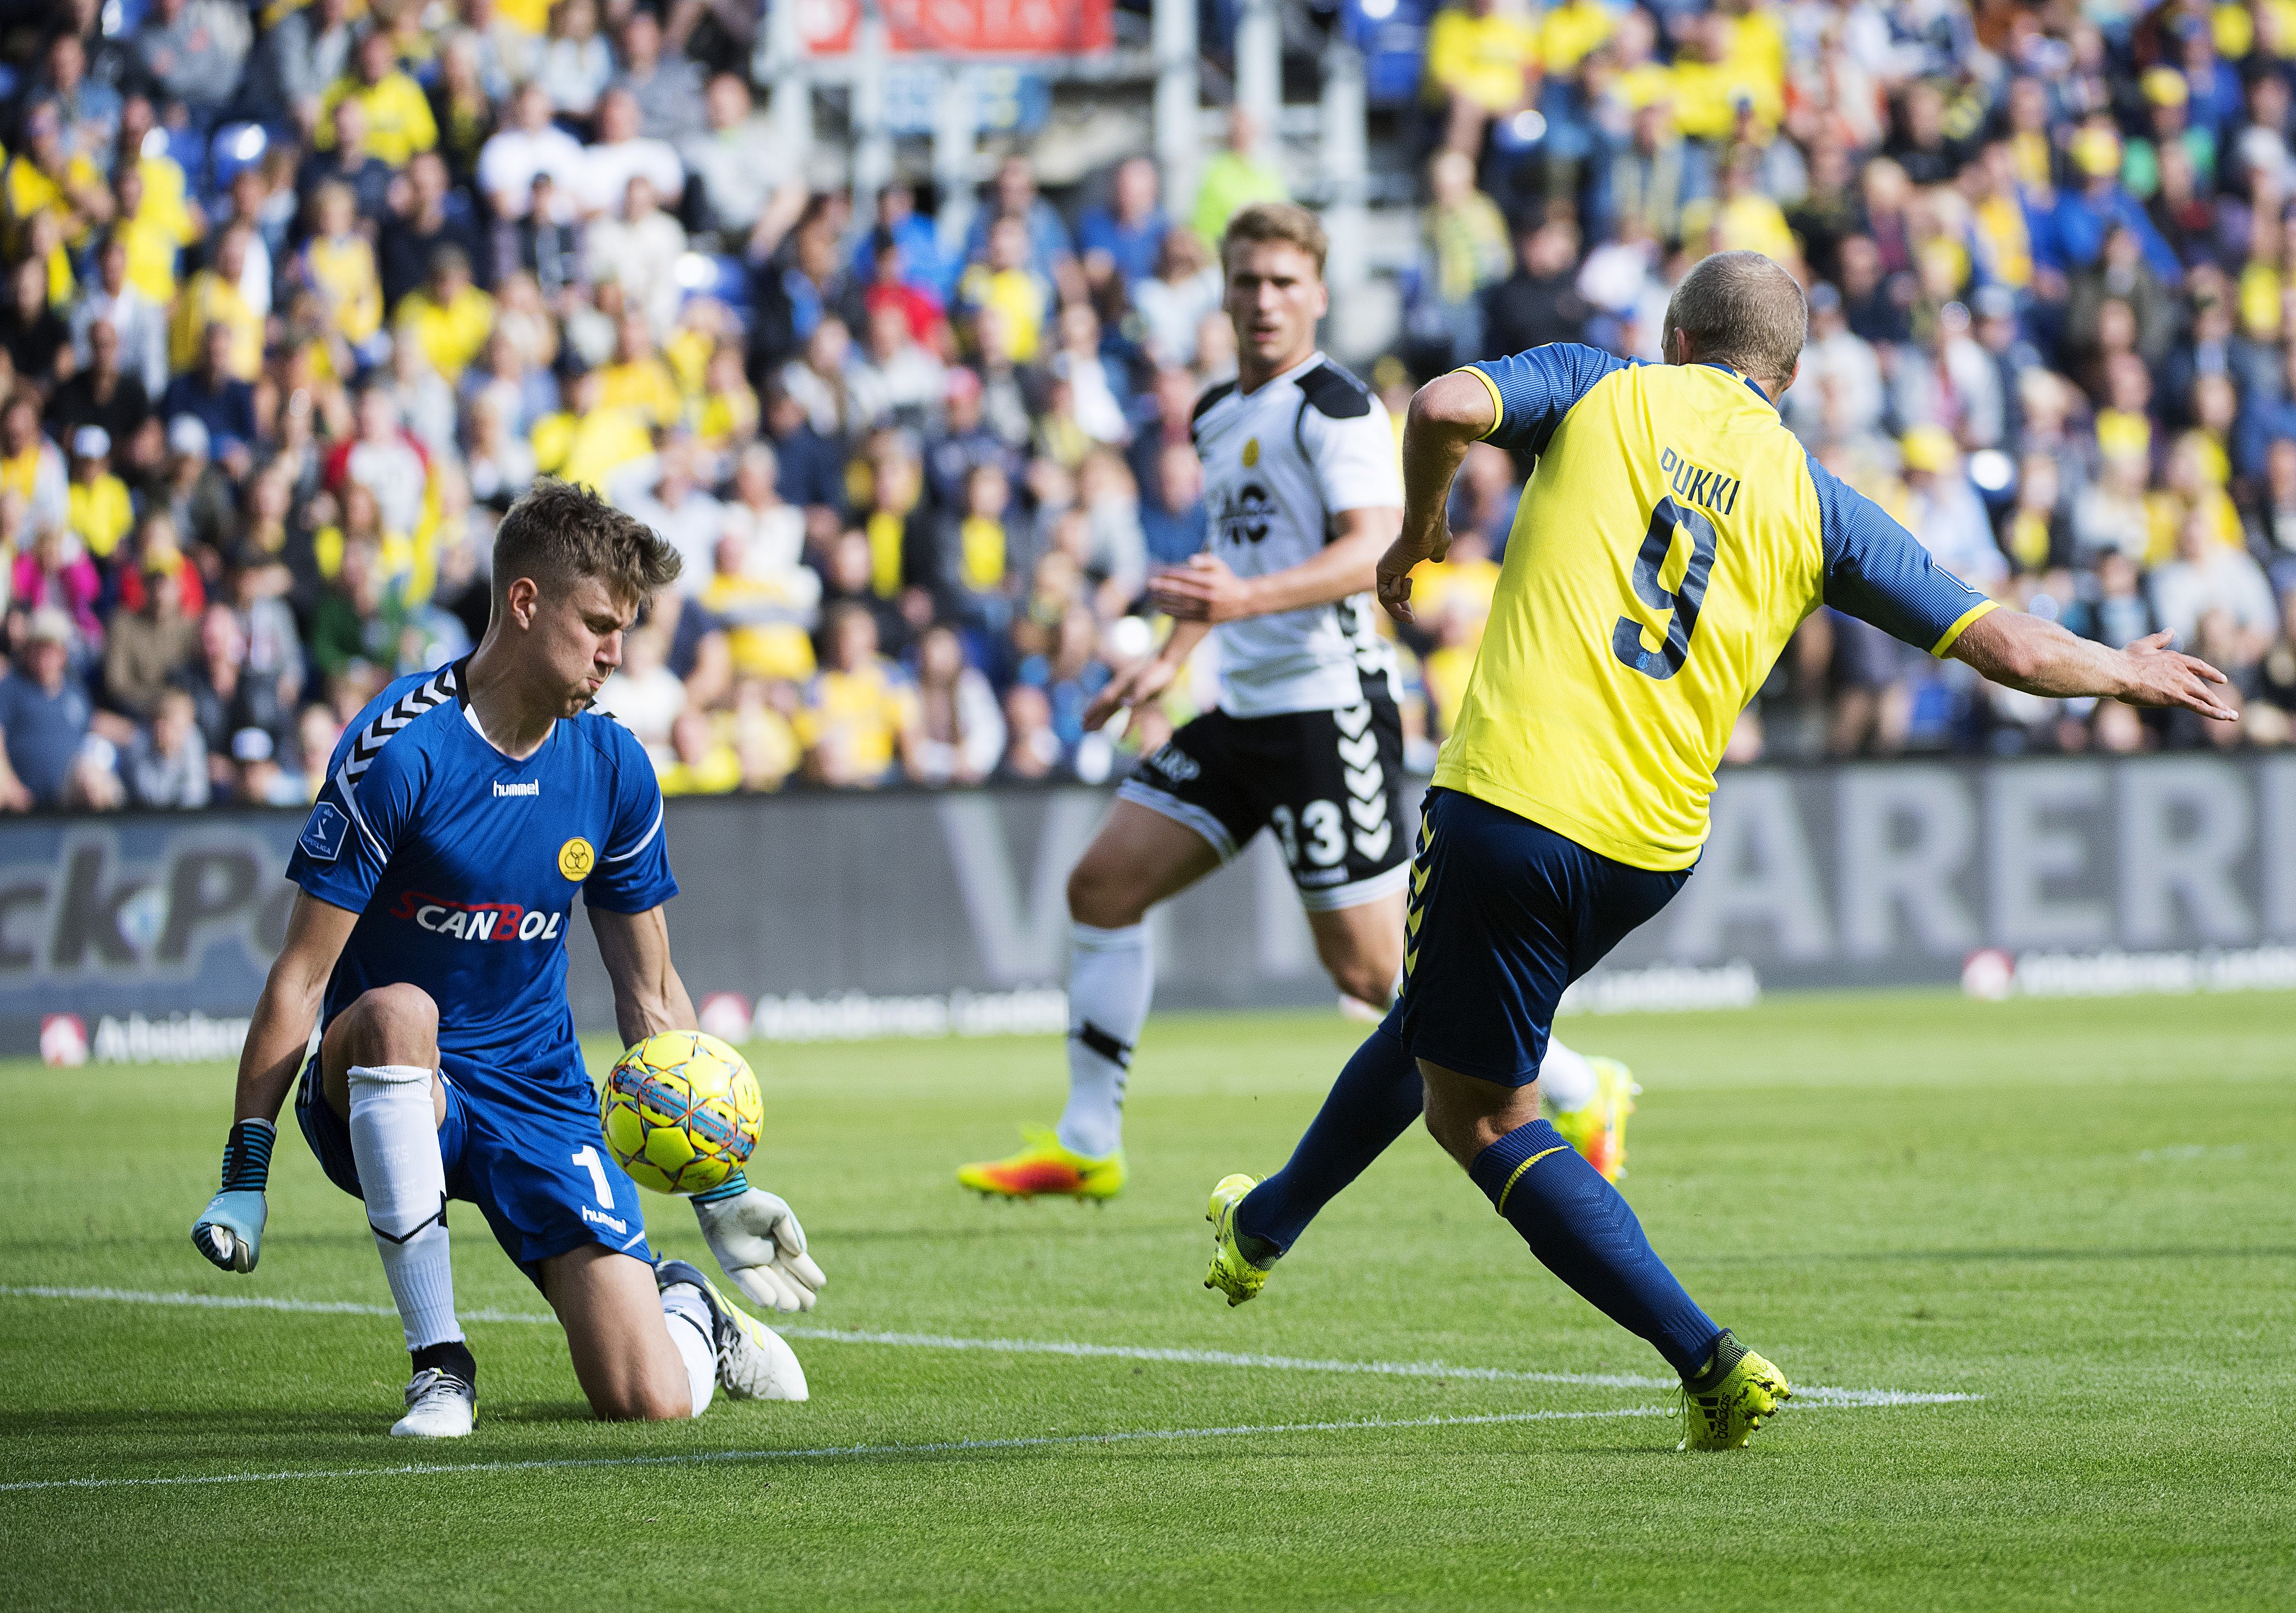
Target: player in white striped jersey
<point>1303,487</point>
<point>1305,492</point>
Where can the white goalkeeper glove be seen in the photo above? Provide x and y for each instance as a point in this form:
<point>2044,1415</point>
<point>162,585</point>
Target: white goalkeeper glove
<point>230,1231</point>
<point>758,1241</point>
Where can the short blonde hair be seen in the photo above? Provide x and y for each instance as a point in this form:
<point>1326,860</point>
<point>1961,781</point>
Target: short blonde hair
<point>1286,222</point>
<point>1742,310</point>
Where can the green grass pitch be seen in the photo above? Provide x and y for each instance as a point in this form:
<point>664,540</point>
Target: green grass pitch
<point>2082,1213</point>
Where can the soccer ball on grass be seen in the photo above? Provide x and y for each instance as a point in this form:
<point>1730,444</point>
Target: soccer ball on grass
<point>681,1112</point>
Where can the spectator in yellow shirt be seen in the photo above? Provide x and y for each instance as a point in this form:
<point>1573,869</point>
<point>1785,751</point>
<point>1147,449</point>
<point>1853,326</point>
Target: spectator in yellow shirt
<point>47,176</point>
<point>339,261</point>
<point>1482,59</point>
<point>586,443</point>
<point>152,233</point>
<point>97,508</point>
<point>1711,81</point>
<point>448,318</point>
<point>768,613</point>
<point>212,297</point>
<point>398,120</point>
<point>859,716</point>
<point>638,380</point>
<point>703,762</point>
<point>1007,289</point>
<point>1571,32</point>
<point>1234,178</point>
<point>1742,218</point>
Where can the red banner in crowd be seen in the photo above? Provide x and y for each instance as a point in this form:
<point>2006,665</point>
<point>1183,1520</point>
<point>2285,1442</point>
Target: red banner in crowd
<point>983,27</point>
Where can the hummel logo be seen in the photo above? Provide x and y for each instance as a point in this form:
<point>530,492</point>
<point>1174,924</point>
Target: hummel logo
<point>531,787</point>
<point>595,1219</point>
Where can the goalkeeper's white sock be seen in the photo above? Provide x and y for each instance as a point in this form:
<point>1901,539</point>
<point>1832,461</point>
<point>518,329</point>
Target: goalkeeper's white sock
<point>693,1331</point>
<point>395,1144</point>
<point>1565,1078</point>
<point>1110,980</point>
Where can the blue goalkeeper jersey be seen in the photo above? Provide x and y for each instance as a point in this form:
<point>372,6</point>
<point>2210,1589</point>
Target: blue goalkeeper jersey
<point>463,866</point>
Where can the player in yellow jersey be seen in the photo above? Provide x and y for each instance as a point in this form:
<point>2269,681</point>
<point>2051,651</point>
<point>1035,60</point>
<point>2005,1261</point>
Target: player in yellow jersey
<point>1671,538</point>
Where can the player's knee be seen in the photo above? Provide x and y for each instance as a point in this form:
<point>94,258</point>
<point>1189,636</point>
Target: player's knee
<point>645,1402</point>
<point>1101,894</point>
<point>391,1025</point>
<point>1367,973</point>
<point>1365,979</point>
<point>1455,1135</point>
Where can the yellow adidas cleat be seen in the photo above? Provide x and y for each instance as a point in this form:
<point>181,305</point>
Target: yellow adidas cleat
<point>1231,1272</point>
<point>1597,1129</point>
<point>1044,1169</point>
<point>1722,1418</point>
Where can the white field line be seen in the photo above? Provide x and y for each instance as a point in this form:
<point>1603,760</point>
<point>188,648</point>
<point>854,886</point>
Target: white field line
<point>1810,1394</point>
<point>936,1447</point>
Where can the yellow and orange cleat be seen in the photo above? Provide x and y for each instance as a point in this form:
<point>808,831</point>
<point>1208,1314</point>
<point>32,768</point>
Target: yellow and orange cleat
<point>1044,1169</point>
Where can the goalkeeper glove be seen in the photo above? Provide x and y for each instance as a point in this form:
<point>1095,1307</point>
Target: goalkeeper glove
<point>759,1243</point>
<point>230,1231</point>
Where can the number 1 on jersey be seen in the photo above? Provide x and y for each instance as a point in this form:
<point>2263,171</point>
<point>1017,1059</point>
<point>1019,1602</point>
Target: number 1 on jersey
<point>1682,600</point>
<point>588,1159</point>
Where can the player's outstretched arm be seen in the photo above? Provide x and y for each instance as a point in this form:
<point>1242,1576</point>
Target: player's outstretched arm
<point>1137,685</point>
<point>753,1233</point>
<point>649,996</point>
<point>1448,415</point>
<point>230,1231</point>
<point>1205,590</point>
<point>2041,658</point>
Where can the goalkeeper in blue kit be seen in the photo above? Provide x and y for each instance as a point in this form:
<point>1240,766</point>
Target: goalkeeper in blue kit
<point>462,810</point>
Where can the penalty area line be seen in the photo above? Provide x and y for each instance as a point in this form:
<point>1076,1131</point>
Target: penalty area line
<point>815,1452</point>
<point>1807,1393</point>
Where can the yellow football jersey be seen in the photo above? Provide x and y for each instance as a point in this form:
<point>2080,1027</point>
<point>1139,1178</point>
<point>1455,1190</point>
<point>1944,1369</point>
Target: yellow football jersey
<point>1671,538</point>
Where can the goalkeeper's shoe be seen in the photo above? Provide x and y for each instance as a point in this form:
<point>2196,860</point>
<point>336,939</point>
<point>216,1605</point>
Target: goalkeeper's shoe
<point>754,1363</point>
<point>441,1405</point>
<point>1597,1129</point>
<point>1044,1168</point>
<point>1232,1273</point>
<point>1721,1416</point>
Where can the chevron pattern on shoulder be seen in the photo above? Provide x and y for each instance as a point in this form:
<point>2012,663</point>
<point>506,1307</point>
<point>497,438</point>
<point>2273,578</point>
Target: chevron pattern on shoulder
<point>439,688</point>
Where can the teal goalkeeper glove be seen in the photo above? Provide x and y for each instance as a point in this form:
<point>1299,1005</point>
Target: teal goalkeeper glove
<point>230,1231</point>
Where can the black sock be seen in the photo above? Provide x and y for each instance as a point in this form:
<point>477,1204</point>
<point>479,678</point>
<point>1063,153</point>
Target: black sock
<point>452,1357</point>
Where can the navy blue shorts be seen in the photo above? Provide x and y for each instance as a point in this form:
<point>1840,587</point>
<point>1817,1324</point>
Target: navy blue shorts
<point>1503,914</point>
<point>543,1179</point>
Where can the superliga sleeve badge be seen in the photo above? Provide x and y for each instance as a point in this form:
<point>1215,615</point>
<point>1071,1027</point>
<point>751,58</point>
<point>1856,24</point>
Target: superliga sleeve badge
<point>321,838</point>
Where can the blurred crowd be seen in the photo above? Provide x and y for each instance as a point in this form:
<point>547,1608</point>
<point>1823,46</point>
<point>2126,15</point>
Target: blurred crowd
<point>298,298</point>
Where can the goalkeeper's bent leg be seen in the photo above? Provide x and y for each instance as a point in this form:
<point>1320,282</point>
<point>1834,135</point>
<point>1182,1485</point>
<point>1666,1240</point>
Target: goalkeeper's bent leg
<point>693,1331</point>
<point>395,1142</point>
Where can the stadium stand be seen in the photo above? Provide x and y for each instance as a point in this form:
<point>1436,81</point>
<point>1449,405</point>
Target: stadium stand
<point>297,299</point>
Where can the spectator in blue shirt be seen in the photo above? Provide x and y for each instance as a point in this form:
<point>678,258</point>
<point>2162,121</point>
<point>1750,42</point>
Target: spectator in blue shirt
<point>811,469</point>
<point>1123,238</point>
<point>923,264</point>
<point>211,395</point>
<point>2074,236</point>
<point>1172,519</point>
<point>43,717</point>
<point>1015,197</point>
<point>2269,417</point>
